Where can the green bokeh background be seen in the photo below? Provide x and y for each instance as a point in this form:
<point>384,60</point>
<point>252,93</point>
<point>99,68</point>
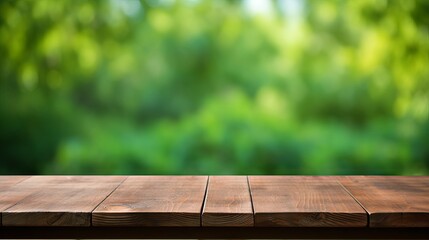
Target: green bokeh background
<point>214,87</point>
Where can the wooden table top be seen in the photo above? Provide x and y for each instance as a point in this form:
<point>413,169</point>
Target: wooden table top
<point>215,201</point>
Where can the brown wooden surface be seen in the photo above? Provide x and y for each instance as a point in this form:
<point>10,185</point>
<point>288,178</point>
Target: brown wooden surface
<point>8,181</point>
<point>294,201</point>
<point>228,202</point>
<point>392,201</point>
<point>223,201</point>
<point>7,200</point>
<point>57,200</point>
<point>154,201</point>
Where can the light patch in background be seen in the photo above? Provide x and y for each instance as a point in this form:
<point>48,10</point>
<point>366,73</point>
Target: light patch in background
<point>258,7</point>
<point>160,3</point>
<point>129,7</point>
<point>292,9</point>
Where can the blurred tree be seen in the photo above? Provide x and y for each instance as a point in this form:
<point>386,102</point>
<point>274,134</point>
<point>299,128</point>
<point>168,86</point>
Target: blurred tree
<point>219,87</point>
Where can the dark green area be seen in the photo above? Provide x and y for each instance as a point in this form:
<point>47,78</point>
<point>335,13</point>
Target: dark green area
<point>213,87</point>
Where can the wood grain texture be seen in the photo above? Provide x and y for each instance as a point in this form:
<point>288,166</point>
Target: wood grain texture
<point>228,202</point>
<point>6,200</point>
<point>8,181</point>
<point>293,201</point>
<point>392,201</point>
<point>58,200</point>
<point>154,201</point>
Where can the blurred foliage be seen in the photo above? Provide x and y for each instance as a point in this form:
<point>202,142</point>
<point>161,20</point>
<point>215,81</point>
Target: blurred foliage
<point>214,87</point>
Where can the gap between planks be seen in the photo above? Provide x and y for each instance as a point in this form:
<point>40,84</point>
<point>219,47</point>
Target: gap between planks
<point>204,201</point>
<point>126,177</point>
<point>357,201</point>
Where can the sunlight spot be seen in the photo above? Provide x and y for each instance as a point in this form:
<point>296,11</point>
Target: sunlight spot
<point>129,7</point>
<point>258,7</point>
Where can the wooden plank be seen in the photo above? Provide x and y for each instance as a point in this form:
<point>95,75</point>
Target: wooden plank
<point>8,181</point>
<point>392,201</point>
<point>228,202</point>
<point>58,200</point>
<point>154,201</point>
<point>5,183</point>
<point>294,201</point>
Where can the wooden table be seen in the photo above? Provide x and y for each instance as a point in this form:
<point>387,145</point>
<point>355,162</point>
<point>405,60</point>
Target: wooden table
<point>214,207</point>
